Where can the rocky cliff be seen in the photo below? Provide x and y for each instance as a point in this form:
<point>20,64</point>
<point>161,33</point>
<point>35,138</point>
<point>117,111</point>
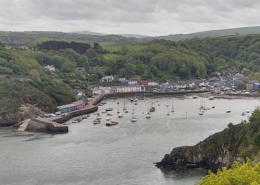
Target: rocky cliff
<point>25,112</point>
<point>216,151</point>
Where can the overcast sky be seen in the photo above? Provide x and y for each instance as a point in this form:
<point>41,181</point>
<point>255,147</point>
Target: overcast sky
<point>146,17</point>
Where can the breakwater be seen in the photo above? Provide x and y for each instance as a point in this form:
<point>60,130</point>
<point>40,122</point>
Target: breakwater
<point>53,124</point>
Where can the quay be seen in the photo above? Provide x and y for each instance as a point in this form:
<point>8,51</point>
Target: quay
<point>53,124</point>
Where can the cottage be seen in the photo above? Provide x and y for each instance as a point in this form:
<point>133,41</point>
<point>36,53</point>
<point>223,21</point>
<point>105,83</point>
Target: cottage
<point>50,67</point>
<point>107,79</point>
<point>144,83</point>
<point>152,83</point>
<point>132,82</point>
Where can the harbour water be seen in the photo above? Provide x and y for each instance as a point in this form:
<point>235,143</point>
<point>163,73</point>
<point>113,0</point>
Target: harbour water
<point>121,154</point>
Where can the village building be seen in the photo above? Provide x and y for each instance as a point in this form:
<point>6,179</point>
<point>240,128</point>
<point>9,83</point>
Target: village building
<point>67,108</point>
<point>132,81</point>
<point>80,104</point>
<point>107,78</point>
<point>50,67</point>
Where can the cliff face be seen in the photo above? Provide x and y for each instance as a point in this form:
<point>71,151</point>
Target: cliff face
<point>214,152</point>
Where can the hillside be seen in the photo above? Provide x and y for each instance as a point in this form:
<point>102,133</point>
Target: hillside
<point>212,33</point>
<point>31,38</point>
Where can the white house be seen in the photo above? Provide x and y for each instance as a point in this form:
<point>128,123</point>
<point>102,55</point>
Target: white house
<point>107,79</point>
<point>152,83</point>
<point>122,89</point>
<point>50,68</point>
<point>132,82</point>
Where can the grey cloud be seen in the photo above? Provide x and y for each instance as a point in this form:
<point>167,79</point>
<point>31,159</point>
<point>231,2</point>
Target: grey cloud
<point>122,16</point>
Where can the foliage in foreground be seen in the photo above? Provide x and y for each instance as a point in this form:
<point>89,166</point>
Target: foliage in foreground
<point>238,174</point>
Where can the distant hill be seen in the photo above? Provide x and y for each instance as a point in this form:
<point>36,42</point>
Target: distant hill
<point>212,33</point>
<point>88,33</point>
<point>31,38</point>
<point>103,34</point>
<point>133,35</point>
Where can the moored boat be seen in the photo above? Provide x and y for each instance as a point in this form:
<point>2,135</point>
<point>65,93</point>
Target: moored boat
<point>111,123</point>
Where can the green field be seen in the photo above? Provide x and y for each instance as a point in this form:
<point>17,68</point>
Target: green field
<point>117,48</point>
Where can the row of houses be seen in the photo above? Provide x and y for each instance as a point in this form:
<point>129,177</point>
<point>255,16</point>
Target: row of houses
<point>118,89</point>
<point>133,81</point>
<point>71,107</point>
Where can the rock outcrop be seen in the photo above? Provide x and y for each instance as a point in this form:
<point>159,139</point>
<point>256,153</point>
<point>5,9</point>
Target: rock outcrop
<point>26,111</point>
<point>211,154</point>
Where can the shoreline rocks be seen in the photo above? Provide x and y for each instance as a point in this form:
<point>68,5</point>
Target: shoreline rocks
<point>211,154</point>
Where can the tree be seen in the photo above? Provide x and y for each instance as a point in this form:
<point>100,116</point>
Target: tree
<point>241,86</point>
<point>124,50</point>
<point>91,53</point>
<point>238,174</point>
<point>68,67</point>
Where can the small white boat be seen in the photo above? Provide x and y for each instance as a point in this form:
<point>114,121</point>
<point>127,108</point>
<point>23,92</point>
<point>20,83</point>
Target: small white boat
<point>148,116</point>
<point>247,111</point>
<point>172,110</point>
<point>133,119</point>
<point>107,118</point>
<point>98,117</point>
<point>167,105</point>
<point>120,115</point>
<point>200,113</point>
<point>211,98</point>
<point>228,111</point>
<point>109,109</point>
<point>168,113</point>
<point>96,121</point>
<point>213,106</point>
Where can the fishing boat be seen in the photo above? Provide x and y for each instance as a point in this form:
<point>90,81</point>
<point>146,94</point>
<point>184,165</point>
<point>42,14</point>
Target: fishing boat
<point>228,111</point>
<point>111,123</point>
